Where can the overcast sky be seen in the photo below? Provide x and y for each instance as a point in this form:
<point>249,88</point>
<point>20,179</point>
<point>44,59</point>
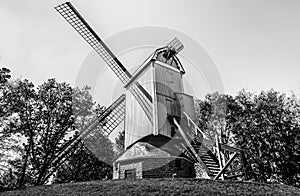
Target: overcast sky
<point>255,44</point>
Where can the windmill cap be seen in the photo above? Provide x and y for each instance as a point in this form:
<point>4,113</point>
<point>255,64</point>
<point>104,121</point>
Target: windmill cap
<point>175,45</point>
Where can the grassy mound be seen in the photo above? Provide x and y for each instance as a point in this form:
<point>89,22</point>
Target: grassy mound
<point>158,187</point>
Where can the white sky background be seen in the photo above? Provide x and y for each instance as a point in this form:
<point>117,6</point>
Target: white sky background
<point>255,44</point>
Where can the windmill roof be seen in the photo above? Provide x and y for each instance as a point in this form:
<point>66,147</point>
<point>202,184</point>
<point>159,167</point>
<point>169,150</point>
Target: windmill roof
<point>143,150</point>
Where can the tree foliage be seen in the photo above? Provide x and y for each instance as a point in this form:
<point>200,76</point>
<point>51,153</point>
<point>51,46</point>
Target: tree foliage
<point>268,128</point>
<point>45,117</point>
<point>120,142</point>
<point>266,125</point>
<point>216,115</point>
<point>4,75</point>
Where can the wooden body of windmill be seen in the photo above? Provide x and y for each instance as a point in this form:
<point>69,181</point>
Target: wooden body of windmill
<point>155,149</point>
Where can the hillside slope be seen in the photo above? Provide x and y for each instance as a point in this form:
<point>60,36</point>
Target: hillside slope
<point>158,187</point>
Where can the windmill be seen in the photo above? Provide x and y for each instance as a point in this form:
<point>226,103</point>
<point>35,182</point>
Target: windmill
<point>161,138</point>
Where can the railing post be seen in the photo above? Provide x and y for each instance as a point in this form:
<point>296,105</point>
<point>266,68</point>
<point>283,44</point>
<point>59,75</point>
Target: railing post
<point>219,155</point>
<point>244,165</point>
<point>196,131</point>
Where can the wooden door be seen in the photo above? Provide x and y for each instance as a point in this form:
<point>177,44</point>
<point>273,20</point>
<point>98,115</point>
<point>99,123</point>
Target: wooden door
<point>130,174</point>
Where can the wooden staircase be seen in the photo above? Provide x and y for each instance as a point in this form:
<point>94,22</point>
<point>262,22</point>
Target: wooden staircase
<point>208,159</point>
<point>214,157</point>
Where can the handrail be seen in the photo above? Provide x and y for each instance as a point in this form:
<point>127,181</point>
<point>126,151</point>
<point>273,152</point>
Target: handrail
<point>195,126</point>
<point>206,138</point>
<point>231,148</point>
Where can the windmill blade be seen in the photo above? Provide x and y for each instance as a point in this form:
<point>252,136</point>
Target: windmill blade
<point>108,121</point>
<point>112,116</point>
<point>73,17</point>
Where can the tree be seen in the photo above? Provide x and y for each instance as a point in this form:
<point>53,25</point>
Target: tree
<point>8,144</point>
<point>267,127</point>
<point>46,117</point>
<point>4,75</point>
<point>16,95</point>
<point>216,115</point>
<point>120,143</point>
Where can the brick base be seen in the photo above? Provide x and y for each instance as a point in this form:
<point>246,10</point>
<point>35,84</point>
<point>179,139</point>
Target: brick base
<point>155,168</point>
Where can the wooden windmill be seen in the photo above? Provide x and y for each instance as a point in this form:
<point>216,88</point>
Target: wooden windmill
<point>161,138</point>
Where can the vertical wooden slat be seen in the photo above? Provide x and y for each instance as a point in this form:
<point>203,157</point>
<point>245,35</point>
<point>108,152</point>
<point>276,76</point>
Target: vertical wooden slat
<point>219,156</point>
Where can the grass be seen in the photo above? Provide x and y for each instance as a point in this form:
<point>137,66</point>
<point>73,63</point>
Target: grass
<point>158,187</point>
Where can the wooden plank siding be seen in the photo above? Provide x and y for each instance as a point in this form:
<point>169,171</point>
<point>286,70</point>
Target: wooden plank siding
<point>168,82</point>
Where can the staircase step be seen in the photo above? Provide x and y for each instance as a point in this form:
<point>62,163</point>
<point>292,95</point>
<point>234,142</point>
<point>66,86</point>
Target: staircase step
<point>211,164</point>
<point>214,169</point>
<point>207,155</point>
<point>208,159</point>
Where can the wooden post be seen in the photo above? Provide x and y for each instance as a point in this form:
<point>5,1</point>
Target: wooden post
<point>154,104</point>
<point>219,156</point>
<point>245,166</point>
<point>223,155</point>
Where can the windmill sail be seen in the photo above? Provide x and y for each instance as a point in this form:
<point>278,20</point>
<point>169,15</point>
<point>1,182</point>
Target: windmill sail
<point>108,121</point>
<point>73,17</point>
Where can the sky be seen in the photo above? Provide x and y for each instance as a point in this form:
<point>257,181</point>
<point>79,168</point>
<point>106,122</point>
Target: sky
<point>254,44</point>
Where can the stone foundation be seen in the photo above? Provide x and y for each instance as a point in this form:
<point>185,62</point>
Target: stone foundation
<point>154,168</point>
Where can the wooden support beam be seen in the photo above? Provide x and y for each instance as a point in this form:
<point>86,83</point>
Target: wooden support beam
<point>231,148</point>
<point>245,165</point>
<point>234,176</point>
<point>139,72</point>
<point>233,170</point>
<point>219,155</point>
<point>226,165</point>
